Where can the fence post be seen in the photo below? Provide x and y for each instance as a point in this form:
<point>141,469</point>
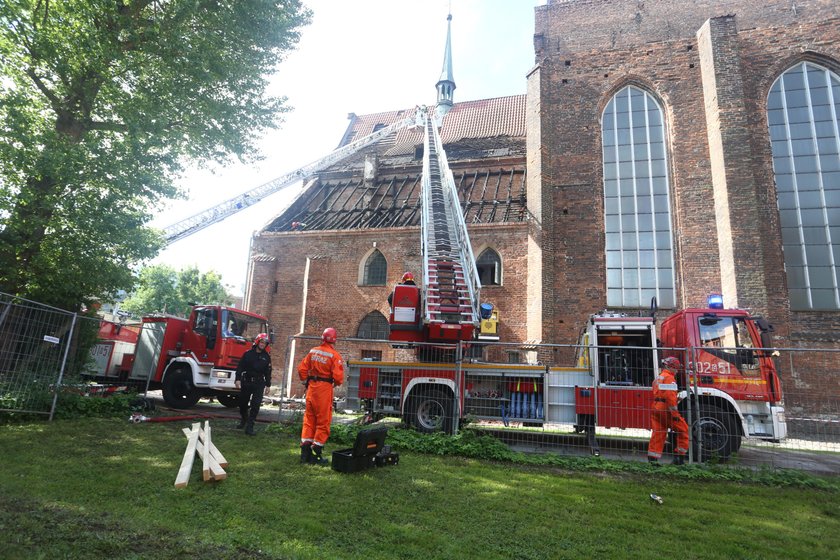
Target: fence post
<point>63,364</point>
<point>456,410</point>
<point>694,400</point>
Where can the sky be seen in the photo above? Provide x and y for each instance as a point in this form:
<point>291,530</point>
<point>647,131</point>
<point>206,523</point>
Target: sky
<point>357,56</point>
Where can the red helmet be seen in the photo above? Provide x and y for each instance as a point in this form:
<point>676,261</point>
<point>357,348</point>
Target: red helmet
<point>329,335</point>
<point>262,337</point>
<point>407,277</point>
<point>672,363</point>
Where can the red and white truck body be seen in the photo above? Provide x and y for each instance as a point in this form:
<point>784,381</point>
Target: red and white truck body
<point>730,379</point>
<point>111,355</point>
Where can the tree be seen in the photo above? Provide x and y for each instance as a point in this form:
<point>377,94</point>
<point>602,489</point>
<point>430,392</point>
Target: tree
<point>102,104</point>
<point>163,290</point>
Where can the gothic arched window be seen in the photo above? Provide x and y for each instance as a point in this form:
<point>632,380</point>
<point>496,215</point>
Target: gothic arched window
<point>489,266</point>
<point>373,326</point>
<point>376,269</point>
<point>803,113</point>
<point>637,208</point>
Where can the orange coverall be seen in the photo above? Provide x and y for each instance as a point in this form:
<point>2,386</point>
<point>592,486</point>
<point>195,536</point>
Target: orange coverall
<point>320,370</point>
<point>665,415</point>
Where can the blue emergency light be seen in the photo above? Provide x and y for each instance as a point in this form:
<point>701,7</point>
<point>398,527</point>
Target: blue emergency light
<point>715,301</point>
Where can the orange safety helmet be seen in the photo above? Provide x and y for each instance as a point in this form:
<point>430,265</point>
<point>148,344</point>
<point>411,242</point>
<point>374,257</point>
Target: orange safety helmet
<point>407,277</point>
<point>672,363</point>
<point>329,335</point>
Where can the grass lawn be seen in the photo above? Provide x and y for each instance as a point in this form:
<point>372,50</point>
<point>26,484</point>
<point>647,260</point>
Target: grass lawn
<point>104,488</point>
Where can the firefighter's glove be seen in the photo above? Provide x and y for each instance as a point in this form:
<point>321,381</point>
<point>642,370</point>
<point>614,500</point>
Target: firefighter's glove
<point>675,416</point>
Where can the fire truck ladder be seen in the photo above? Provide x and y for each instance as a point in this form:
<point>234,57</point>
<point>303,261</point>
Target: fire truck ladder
<point>449,275</point>
<point>217,213</point>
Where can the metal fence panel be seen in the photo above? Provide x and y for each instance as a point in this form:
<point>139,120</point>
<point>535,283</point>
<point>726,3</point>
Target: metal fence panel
<point>35,343</point>
<point>580,400</point>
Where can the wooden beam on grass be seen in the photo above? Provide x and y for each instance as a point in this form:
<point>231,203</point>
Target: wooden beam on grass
<point>213,449</point>
<point>187,462</point>
<point>216,469</point>
<point>205,452</point>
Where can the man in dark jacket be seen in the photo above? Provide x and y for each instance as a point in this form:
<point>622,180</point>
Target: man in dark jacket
<point>253,378</point>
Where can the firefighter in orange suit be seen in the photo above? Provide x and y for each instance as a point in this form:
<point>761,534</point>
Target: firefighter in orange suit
<point>320,371</point>
<point>665,414</point>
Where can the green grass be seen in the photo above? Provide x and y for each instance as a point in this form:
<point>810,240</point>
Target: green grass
<point>104,488</point>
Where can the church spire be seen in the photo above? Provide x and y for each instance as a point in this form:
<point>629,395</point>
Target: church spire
<point>446,83</point>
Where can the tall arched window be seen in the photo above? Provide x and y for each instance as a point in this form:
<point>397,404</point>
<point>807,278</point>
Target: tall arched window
<point>489,265</point>
<point>637,208</point>
<point>803,113</point>
<point>376,269</point>
<point>373,326</point>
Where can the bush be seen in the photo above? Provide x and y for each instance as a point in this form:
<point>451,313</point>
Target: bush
<point>73,405</point>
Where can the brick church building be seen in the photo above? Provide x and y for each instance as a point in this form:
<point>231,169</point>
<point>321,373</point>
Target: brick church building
<point>665,148</point>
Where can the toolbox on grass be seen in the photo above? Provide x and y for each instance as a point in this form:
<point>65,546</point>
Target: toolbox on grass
<point>368,451</point>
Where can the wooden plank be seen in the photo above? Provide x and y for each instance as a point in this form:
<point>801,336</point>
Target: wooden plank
<point>187,462</point>
<point>216,453</point>
<point>216,469</point>
<point>205,453</point>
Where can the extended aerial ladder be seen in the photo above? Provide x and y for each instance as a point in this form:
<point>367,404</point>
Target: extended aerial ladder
<point>219,212</point>
<point>447,308</point>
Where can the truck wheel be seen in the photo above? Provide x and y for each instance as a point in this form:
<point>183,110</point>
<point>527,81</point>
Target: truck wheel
<point>230,400</point>
<point>178,389</point>
<point>431,412</point>
<point>715,435</point>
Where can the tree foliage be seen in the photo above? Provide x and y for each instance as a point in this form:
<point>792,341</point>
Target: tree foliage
<point>163,290</point>
<point>102,104</point>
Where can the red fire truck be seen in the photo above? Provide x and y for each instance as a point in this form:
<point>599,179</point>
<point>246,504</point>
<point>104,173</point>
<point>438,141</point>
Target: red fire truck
<point>195,357</point>
<point>730,388</point>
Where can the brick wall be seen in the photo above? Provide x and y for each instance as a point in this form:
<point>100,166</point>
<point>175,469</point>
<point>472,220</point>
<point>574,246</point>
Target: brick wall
<point>316,278</point>
<point>710,65</point>
<point>712,81</point>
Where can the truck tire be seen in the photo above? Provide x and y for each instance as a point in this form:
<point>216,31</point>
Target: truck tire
<point>178,389</point>
<point>229,400</point>
<point>715,436</point>
<point>431,412</point>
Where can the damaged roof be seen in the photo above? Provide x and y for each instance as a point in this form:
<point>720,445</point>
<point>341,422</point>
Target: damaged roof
<point>486,118</point>
<point>485,145</point>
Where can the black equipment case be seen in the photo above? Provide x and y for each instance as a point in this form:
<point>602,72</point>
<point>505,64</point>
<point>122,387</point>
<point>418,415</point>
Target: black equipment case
<point>368,451</point>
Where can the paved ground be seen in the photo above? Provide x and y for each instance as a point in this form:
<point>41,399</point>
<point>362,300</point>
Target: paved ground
<point>793,454</point>
<point>814,457</point>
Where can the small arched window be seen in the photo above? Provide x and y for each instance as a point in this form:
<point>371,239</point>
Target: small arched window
<point>376,269</point>
<point>374,326</point>
<point>489,266</point>
<point>803,113</point>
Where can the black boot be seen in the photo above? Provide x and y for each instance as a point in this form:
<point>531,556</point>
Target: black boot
<point>242,421</point>
<point>653,461</point>
<point>249,428</point>
<point>317,459</point>
<point>306,452</point>
<point>679,460</point>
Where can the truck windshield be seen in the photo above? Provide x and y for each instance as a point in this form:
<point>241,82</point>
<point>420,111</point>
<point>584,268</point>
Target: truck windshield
<point>724,332</point>
<point>240,325</point>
